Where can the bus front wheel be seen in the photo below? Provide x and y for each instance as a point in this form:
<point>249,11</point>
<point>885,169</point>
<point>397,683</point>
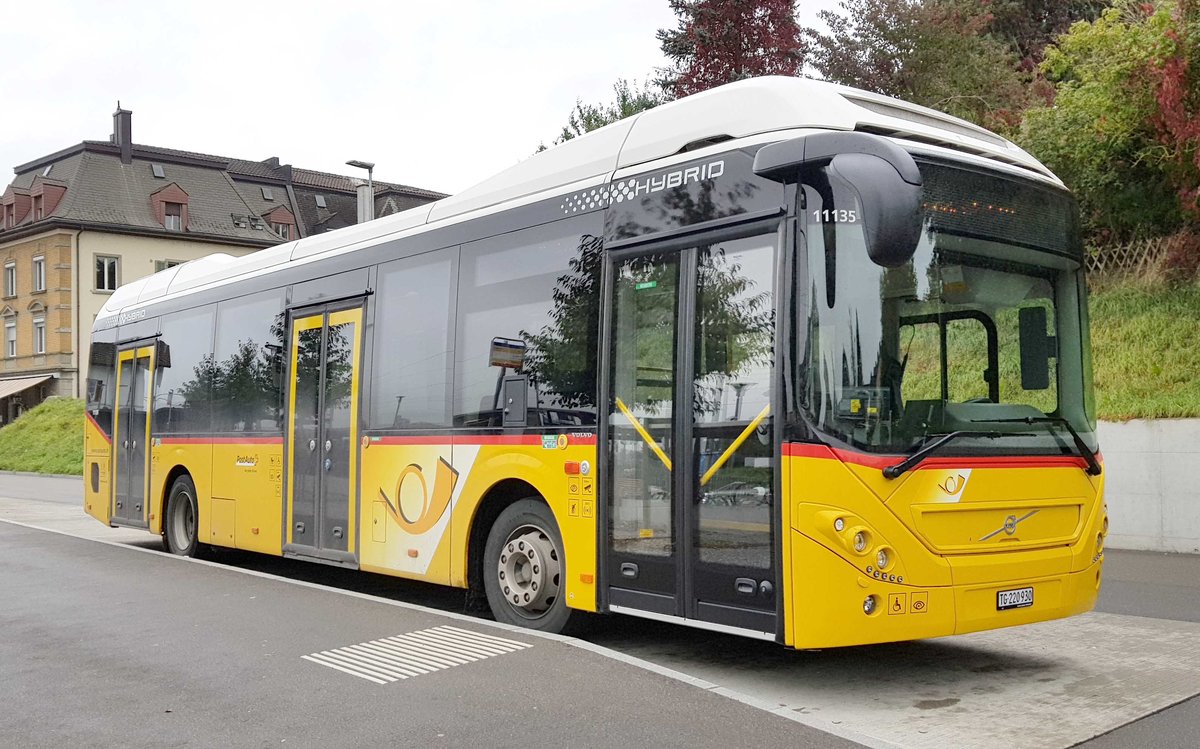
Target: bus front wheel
<point>523,570</point>
<point>180,535</point>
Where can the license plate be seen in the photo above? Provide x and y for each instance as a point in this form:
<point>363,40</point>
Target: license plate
<point>1014,599</point>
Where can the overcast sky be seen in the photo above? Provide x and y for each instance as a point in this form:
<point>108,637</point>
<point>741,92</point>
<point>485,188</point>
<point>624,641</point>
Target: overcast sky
<point>438,95</point>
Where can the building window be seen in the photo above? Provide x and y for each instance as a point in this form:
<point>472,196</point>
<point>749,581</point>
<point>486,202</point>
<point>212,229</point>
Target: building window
<point>37,208</point>
<point>39,274</point>
<point>157,171</point>
<point>268,194</point>
<point>39,335</point>
<point>161,265</point>
<point>283,230</point>
<point>10,337</point>
<point>320,201</point>
<point>10,279</point>
<point>106,272</point>
<point>173,218</point>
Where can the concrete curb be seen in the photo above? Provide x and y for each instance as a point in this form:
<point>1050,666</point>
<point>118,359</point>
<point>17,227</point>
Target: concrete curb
<point>43,475</point>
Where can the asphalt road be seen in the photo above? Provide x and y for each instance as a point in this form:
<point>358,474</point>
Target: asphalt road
<point>1143,595</point>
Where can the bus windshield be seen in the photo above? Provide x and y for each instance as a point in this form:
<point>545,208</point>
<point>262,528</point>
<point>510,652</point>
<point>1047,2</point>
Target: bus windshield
<point>983,331</point>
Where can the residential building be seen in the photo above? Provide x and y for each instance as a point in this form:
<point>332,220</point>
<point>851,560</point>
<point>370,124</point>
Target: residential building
<point>76,224</point>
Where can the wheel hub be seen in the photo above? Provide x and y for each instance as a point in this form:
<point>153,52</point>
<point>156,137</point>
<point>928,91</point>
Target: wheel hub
<point>529,570</point>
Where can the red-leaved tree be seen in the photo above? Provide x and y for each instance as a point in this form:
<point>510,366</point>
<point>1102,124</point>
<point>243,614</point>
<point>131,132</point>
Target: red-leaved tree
<point>720,41</point>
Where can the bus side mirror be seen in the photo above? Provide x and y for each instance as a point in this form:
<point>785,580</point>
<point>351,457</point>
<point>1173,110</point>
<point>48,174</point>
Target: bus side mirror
<point>1037,348</point>
<point>882,178</point>
<point>890,206</point>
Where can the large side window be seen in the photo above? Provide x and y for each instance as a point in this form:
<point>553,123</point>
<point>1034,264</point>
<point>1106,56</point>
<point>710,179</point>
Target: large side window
<point>248,364</point>
<point>414,325</point>
<point>529,306</point>
<point>184,373</point>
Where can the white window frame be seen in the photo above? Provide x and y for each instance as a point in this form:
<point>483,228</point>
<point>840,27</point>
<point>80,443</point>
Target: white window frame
<point>10,337</point>
<point>39,273</point>
<point>39,335</point>
<point>171,221</point>
<point>161,265</point>
<point>283,230</point>
<point>116,265</point>
<point>10,279</point>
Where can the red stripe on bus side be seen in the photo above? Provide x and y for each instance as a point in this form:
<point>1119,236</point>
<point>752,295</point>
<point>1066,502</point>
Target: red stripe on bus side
<point>222,440</point>
<point>806,450</point>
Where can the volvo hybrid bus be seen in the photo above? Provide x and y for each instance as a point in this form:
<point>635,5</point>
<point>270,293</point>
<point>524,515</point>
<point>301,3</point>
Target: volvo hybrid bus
<point>783,359</point>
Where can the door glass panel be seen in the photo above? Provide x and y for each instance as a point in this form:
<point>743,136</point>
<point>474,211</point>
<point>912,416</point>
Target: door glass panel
<point>335,441</point>
<point>306,455</point>
<point>734,337</point>
<point>643,387</point>
<point>120,446</point>
<point>137,438</point>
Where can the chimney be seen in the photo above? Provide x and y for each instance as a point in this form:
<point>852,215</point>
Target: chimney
<point>123,133</point>
<point>366,202</point>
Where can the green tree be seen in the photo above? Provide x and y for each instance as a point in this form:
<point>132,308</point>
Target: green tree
<point>1104,135</point>
<point>937,53</point>
<point>630,98</point>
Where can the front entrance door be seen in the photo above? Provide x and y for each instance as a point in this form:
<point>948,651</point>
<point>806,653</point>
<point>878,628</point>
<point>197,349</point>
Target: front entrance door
<point>323,424</point>
<point>691,459</point>
<point>131,435</point>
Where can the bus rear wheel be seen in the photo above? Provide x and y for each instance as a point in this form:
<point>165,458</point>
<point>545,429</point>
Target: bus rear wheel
<point>180,535</point>
<point>523,571</point>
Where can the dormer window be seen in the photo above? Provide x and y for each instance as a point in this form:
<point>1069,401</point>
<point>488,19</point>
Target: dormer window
<point>283,230</point>
<point>37,208</point>
<point>173,216</point>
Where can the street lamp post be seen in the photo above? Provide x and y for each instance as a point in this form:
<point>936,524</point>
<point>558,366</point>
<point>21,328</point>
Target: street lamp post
<point>366,208</point>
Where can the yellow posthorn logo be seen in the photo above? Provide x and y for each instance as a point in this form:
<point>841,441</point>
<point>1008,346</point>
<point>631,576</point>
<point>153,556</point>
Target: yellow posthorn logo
<point>432,507</point>
<point>562,442</point>
<point>953,484</point>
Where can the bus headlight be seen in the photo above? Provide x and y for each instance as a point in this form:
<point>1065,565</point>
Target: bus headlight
<point>839,525</point>
<point>882,559</point>
<point>860,542</point>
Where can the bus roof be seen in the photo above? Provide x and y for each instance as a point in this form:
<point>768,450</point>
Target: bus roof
<point>736,110</point>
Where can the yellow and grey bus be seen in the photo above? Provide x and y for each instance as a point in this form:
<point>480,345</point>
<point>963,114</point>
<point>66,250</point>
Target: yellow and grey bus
<point>783,359</point>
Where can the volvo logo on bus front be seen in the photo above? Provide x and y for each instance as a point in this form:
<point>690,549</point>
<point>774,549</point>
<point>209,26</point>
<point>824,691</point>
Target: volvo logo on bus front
<point>1010,525</point>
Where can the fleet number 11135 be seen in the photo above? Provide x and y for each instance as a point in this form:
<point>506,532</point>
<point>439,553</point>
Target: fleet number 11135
<point>835,216</point>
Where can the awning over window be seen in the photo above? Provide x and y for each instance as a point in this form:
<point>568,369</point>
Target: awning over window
<point>18,384</point>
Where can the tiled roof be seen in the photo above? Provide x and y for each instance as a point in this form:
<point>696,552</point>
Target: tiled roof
<point>105,191</point>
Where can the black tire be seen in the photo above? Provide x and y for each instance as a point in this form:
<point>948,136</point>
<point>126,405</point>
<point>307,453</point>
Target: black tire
<point>524,571</point>
<point>181,520</point>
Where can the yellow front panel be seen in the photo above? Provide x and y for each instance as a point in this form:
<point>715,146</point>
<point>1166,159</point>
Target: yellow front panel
<point>953,536</point>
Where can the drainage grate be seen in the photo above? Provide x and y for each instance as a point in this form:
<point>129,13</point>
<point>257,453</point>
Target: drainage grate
<point>423,652</point>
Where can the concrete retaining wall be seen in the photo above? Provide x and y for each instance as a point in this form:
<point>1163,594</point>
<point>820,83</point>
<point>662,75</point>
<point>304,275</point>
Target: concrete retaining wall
<point>1153,484</point>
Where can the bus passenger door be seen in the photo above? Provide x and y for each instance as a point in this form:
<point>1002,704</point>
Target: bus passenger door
<point>323,428</point>
<point>130,437</point>
<point>691,457</point>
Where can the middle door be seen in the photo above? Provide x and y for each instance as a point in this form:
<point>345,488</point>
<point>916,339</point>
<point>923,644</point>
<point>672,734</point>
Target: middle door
<point>324,430</point>
<point>691,458</point>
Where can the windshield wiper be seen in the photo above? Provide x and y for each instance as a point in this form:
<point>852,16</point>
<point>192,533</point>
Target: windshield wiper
<point>1093,465</point>
<point>925,451</point>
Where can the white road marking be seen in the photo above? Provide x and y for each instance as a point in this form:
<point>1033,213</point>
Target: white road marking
<point>422,652</point>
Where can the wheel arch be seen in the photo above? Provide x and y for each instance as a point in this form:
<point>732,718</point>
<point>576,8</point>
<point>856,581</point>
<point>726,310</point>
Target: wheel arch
<point>495,500</point>
<point>161,502</point>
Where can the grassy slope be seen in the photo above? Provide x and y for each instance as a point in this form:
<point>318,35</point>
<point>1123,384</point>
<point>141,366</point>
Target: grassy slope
<point>1146,352</point>
<point>46,439</point>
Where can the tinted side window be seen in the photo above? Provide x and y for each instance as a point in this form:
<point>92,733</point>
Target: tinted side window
<point>247,364</point>
<point>412,341</point>
<point>529,305</point>
<point>183,373</point>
